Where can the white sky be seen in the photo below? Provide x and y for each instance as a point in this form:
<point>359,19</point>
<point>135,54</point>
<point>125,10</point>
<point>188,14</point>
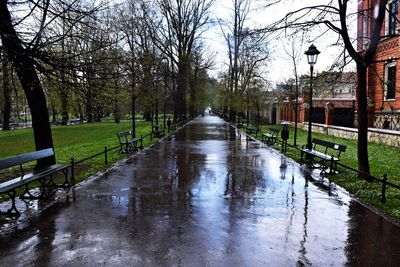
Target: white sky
<point>280,66</point>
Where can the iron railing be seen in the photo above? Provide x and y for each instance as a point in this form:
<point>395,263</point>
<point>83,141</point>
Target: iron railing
<point>366,176</point>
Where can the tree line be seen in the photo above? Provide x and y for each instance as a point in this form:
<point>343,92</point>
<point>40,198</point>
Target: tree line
<point>93,59</point>
<point>90,58</point>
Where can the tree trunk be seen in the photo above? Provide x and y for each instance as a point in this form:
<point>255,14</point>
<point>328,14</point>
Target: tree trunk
<point>53,112</point>
<point>181,90</point>
<point>117,115</point>
<point>64,105</point>
<point>7,94</point>
<point>232,114</point>
<point>133,98</point>
<point>193,92</point>
<point>192,111</point>
<point>116,109</point>
<point>362,115</point>
<point>89,106</point>
<point>25,69</point>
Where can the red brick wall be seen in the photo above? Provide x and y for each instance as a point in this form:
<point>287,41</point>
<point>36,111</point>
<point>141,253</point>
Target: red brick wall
<point>388,48</point>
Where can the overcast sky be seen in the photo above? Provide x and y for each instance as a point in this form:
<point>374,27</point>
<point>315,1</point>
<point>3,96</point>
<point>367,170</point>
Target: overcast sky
<point>279,65</point>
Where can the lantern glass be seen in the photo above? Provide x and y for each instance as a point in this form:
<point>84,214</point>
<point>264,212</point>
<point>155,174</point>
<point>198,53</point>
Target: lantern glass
<point>312,55</point>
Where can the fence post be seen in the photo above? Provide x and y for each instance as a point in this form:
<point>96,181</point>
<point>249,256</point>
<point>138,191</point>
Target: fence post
<point>331,170</point>
<point>72,171</point>
<point>384,183</point>
<point>105,155</point>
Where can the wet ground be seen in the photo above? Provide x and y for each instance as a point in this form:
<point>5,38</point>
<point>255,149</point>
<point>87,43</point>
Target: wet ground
<point>205,196</point>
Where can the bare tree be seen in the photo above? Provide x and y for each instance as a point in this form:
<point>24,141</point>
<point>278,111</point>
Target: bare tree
<point>294,57</point>
<point>27,53</point>
<point>335,16</point>
<point>24,65</point>
<point>247,51</point>
<point>6,92</point>
<point>183,23</point>
<point>234,37</point>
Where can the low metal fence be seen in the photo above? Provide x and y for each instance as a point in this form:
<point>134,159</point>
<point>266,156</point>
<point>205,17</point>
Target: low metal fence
<point>105,151</point>
<point>366,176</point>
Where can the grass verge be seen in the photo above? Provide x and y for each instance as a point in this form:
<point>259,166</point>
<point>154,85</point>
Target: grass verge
<point>382,158</point>
<point>73,141</point>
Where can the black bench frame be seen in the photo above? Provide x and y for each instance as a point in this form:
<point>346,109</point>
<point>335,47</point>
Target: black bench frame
<point>10,187</point>
<point>324,157</point>
<point>172,127</point>
<point>128,143</point>
<point>270,138</point>
<point>157,131</point>
<point>251,129</point>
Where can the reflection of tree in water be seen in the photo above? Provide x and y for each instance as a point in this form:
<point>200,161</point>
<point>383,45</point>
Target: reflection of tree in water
<point>39,241</point>
<point>372,240</point>
<point>169,180</point>
<point>233,134</point>
<point>290,205</point>
<point>244,176</point>
<point>303,260</point>
<point>163,200</point>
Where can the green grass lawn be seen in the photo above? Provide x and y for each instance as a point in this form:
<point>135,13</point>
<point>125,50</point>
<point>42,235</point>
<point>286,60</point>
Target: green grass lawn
<point>81,141</point>
<point>73,141</point>
<point>76,141</point>
<point>382,158</point>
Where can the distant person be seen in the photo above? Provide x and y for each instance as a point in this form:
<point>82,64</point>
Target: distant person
<point>169,124</point>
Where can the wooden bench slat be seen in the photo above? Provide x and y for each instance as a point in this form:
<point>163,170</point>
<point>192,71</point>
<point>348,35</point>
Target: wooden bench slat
<point>328,144</point>
<point>324,156</point>
<point>320,154</point>
<point>24,158</point>
<point>126,139</point>
<point>30,177</point>
<point>270,138</point>
<point>124,133</point>
<point>9,187</point>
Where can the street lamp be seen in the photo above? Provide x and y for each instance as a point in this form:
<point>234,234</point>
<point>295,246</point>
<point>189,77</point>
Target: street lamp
<point>312,56</point>
<point>166,67</point>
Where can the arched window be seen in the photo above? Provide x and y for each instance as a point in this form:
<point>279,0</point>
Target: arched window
<point>392,17</point>
<point>390,81</point>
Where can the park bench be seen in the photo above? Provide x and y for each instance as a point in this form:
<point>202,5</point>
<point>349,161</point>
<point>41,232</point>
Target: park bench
<point>128,143</point>
<point>172,127</point>
<point>240,125</point>
<point>270,138</point>
<point>74,121</point>
<point>324,157</point>
<point>157,131</point>
<point>251,130</point>
<point>10,187</point>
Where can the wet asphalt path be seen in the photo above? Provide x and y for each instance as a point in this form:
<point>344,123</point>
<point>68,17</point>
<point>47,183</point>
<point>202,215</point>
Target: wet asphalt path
<point>204,197</point>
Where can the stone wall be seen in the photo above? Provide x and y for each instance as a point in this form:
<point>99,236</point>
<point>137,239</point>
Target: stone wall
<point>379,136</point>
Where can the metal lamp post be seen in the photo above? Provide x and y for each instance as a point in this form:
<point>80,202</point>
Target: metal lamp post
<point>312,56</point>
<point>166,67</point>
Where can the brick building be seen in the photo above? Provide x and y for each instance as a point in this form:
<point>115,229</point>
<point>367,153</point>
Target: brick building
<point>333,99</point>
<point>382,78</point>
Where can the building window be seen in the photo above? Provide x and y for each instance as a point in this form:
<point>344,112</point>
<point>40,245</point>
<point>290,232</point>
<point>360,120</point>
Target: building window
<point>390,81</point>
<point>365,37</point>
<point>392,13</point>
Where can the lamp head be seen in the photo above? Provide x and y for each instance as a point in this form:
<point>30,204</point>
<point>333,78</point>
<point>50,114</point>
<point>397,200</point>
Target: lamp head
<point>312,55</point>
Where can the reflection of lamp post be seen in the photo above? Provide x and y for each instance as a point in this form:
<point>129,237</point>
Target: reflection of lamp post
<point>312,56</point>
<point>166,67</point>
<point>296,111</point>
<point>154,73</point>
